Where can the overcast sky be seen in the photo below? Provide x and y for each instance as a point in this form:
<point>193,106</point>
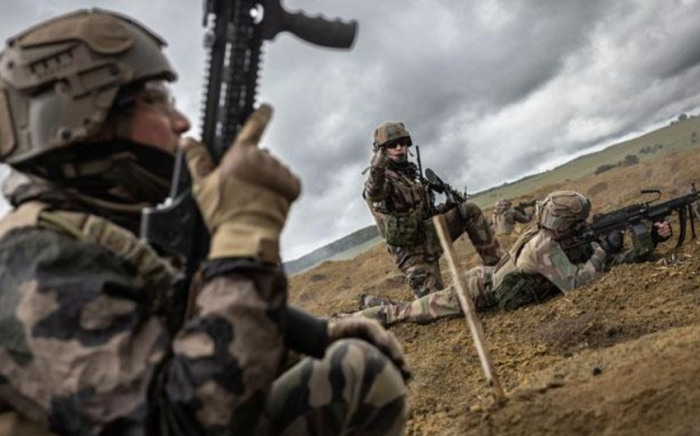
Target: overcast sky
<point>492,90</point>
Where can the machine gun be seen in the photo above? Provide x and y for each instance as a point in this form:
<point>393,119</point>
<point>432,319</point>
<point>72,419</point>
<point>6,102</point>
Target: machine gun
<point>453,197</point>
<point>633,219</point>
<point>235,31</point>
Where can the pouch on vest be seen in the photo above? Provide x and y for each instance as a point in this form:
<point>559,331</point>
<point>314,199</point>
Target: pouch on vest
<point>400,229</point>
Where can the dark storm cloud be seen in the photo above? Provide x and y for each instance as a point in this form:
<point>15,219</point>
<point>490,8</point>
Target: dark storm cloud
<point>492,89</point>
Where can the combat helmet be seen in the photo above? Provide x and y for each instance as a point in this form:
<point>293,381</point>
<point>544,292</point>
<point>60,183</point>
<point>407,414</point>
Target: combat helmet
<point>388,132</point>
<point>561,210</point>
<point>59,79</point>
<point>503,205</point>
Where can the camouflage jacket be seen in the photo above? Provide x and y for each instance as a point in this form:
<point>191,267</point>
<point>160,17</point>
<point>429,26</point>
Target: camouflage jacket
<point>84,349</point>
<point>398,191</point>
<point>537,254</point>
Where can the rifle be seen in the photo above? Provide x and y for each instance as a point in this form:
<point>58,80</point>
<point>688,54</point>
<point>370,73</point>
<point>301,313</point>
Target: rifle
<point>453,197</point>
<point>524,205</point>
<point>633,218</point>
<point>432,211</point>
<point>235,31</point>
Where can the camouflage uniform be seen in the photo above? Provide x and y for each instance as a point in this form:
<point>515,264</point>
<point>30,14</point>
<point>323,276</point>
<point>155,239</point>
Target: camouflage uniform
<point>535,267</point>
<point>85,350</point>
<point>92,337</point>
<point>505,217</point>
<point>398,192</point>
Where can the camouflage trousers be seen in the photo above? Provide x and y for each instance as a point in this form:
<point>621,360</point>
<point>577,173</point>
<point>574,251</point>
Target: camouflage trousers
<point>437,305</point>
<point>423,270</point>
<point>353,390</point>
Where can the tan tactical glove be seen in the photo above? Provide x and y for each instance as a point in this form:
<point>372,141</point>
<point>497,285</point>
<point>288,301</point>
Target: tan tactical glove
<point>370,331</point>
<point>244,201</point>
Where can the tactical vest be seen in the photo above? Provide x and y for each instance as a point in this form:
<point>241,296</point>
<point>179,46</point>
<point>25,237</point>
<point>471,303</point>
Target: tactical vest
<point>154,273</point>
<point>511,287</point>
<point>400,218</point>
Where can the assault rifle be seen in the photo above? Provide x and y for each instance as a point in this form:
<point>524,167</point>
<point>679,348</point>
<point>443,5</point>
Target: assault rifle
<point>633,219</point>
<point>453,197</point>
<point>432,211</point>
<point>235,31</point>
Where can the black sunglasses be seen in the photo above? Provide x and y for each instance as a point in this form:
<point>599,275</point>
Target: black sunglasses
<point>394,144</point>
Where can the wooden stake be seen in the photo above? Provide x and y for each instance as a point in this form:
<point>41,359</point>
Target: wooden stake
<point>469,310</point>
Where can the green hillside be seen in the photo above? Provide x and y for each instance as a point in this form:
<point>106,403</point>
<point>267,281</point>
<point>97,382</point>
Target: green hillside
<point>677,136</point>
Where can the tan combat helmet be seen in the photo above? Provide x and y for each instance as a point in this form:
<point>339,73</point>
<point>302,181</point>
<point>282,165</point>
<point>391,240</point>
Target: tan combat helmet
<point>503,205</point>
<point>388,132</point>
<point>59,79</point>
<point>561,210</point>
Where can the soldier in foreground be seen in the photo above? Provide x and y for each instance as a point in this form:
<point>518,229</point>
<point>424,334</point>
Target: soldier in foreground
<point>505,216</point>
<point>402,209</point>
<point>87,123</point>
<point>537,266</point>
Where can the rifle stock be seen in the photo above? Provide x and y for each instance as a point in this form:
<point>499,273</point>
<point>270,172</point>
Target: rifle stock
<point>524,205</point>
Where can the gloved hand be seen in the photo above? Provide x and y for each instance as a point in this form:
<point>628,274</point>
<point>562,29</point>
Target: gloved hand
<point>371,331</point>
<point>599,257</point>
<point>379,161</point>
<point>244,201</point>
<point>613,241</point>
<point>661,231</point>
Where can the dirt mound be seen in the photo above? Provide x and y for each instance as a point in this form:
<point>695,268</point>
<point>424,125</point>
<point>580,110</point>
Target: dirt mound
<point>650,386</point>
<point>618,356</point>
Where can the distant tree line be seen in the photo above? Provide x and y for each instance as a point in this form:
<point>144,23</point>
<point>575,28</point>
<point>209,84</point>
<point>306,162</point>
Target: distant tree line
<point>650,149</point>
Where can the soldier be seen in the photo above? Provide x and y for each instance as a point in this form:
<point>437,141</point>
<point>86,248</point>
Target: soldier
<point>537,266</point>
<point>87,121</point>
<point>505,216</point>
<point>402,209</point>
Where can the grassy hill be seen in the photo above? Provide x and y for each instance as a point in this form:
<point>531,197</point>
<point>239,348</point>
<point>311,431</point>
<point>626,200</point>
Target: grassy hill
<point>342,249</point>
<point>679,135</point>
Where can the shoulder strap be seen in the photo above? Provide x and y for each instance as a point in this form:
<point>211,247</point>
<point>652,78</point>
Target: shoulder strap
<point>26,215</point>
<point>120,241</point>
<point>517,247</point>
<point>94,229</point>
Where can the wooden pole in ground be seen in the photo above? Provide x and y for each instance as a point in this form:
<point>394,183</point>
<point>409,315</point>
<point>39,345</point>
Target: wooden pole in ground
<point>469,310</point>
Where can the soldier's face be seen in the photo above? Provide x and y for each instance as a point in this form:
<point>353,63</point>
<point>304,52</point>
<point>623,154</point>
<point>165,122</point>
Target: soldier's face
<point>397,151</point>
<point>155,120</point>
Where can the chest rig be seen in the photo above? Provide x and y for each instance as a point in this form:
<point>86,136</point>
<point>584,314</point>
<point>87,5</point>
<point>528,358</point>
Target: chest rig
<point>401,216</point>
